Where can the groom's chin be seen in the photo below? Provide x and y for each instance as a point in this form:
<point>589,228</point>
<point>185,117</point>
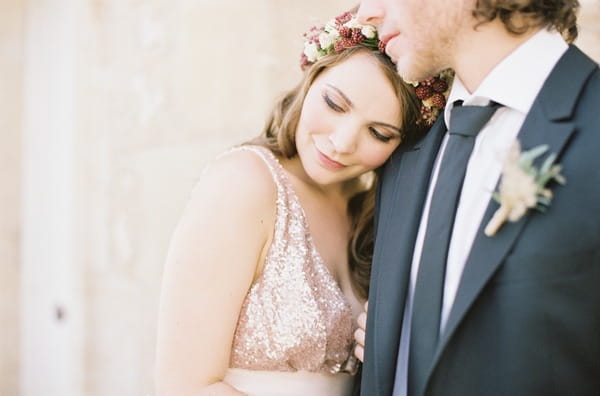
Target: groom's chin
<point>408,71</point>
<point>412,72</point>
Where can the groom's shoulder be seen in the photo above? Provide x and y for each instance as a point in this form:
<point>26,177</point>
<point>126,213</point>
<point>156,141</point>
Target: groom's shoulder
<point>583,63</point>
<point>586,113</point>
<point>588,105</point>
<point>572,91</point>
<point>594,80</point>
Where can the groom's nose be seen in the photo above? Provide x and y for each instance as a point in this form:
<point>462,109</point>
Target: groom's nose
<point>370,12</point>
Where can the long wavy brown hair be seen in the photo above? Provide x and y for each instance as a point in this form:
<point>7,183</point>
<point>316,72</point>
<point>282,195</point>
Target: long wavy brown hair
<point>520,15</point>
<point>279,136</point>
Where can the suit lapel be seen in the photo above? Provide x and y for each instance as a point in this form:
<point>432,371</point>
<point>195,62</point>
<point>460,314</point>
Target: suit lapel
<point>548,122</point>
<point>404,188</point>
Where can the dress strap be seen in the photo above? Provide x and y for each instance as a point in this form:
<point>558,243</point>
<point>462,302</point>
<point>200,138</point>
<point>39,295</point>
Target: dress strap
<point>277,171</point>
<point>282,204</point>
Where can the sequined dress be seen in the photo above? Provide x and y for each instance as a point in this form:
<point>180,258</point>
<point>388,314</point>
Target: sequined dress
<point>295,328</point>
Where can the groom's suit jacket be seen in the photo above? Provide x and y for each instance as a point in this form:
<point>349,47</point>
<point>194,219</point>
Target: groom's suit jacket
<point>526,318</point>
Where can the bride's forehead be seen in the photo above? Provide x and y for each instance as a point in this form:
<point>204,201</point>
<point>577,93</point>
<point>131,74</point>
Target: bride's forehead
<point>358,75</point>
<point>359,66</point>
<point>358,72</point>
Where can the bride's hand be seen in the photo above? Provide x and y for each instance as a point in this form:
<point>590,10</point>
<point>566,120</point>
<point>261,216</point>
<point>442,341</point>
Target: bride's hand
<point>359,334</point>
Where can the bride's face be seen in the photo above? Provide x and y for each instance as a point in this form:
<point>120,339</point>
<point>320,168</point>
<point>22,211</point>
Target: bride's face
<point>350,121</point>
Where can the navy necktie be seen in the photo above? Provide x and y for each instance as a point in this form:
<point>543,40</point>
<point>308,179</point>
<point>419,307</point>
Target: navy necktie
<point>465,123</point>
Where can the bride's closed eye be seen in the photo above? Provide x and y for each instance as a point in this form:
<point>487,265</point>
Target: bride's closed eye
<point>379,136</point>
<point>332,104</point>
<point>374,132</point>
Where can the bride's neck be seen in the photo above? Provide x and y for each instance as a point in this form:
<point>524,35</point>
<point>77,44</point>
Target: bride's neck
<point>337,191</point>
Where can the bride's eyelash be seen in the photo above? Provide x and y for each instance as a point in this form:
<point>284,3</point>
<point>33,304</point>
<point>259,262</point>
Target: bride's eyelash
<point>379,136</point>
<point>337,108</point>
<point>334,106</point>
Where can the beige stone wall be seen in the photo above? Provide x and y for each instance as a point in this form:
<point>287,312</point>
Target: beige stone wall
<point>161,87</point>
<point>589,28</point>
<point>11,65</point>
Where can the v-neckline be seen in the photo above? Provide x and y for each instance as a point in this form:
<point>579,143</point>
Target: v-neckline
<point>311,242</point>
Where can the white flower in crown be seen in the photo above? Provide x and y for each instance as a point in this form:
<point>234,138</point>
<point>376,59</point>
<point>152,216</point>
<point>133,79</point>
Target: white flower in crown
<point>311,51</point>
<point>522,186</point>
<point>326,39</point>
<point>353,23</point>
<point>340,33</point>
<point>331,26</point>
<point>369,31</point>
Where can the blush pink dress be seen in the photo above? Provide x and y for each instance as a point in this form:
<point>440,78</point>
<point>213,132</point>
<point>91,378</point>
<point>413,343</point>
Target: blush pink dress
<point>294,335</point>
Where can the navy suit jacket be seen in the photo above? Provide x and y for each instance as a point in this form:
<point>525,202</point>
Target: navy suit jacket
<point>526,318</point>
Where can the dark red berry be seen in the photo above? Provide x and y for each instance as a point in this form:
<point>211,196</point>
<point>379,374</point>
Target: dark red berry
<point>304,62</point>
<point>345,31</point>
<point>438,100</point>
<point>345,17</point>
<point>357,36</point>
<point>439,85</point>
<point>424,92</point>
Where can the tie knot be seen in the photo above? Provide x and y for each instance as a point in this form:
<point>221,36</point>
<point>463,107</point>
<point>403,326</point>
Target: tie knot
<point>468,120</point>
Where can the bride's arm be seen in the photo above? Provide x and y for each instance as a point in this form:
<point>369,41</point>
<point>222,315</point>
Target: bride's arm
<point>211,263</point>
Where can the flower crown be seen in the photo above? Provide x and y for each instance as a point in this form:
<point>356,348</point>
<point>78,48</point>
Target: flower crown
<point>344,31</point>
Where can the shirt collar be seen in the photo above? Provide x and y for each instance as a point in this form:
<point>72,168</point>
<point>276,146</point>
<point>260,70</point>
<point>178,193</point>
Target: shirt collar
<point>517,79</point>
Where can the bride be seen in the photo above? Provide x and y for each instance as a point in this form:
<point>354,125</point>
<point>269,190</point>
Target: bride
<point>268,267</point>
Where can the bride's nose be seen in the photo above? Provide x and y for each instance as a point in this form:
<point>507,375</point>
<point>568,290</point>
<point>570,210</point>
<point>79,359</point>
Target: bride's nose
<point>344,139</point>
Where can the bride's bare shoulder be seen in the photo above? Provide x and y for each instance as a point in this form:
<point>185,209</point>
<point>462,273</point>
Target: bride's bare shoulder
<point>240,178</point>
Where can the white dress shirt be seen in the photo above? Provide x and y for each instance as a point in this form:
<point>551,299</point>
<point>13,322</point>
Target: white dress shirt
<point>514,83</point>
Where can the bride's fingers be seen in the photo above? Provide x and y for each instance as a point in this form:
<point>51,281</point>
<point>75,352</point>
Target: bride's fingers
<point>359,336</point>
<point>362,320</point>
<point>359,352</point>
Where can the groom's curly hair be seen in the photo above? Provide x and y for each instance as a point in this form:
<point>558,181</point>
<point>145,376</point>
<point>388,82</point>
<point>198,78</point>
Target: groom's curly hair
<point>520,15</point>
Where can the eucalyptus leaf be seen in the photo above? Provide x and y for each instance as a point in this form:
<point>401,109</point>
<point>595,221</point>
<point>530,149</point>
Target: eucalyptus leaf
<point>543,200</point>
<point>527,157</point>
<point>547,165</point>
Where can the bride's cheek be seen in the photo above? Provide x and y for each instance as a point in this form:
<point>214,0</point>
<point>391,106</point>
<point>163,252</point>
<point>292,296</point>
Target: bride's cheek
<point>376,157</point>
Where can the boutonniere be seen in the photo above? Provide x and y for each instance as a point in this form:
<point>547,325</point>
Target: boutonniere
<point>523,185</point>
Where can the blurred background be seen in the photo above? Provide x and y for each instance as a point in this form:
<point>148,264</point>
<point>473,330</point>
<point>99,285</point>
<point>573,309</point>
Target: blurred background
<point>109,109</point>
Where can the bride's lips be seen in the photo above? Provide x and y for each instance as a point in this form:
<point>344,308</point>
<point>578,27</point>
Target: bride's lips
<point>328,162</point>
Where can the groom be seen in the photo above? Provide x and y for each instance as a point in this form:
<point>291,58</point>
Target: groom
<point>462,305</point>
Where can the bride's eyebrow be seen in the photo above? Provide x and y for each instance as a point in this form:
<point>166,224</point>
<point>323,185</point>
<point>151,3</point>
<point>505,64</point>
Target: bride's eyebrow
<point>395,128</point>
<point>339,91</point>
